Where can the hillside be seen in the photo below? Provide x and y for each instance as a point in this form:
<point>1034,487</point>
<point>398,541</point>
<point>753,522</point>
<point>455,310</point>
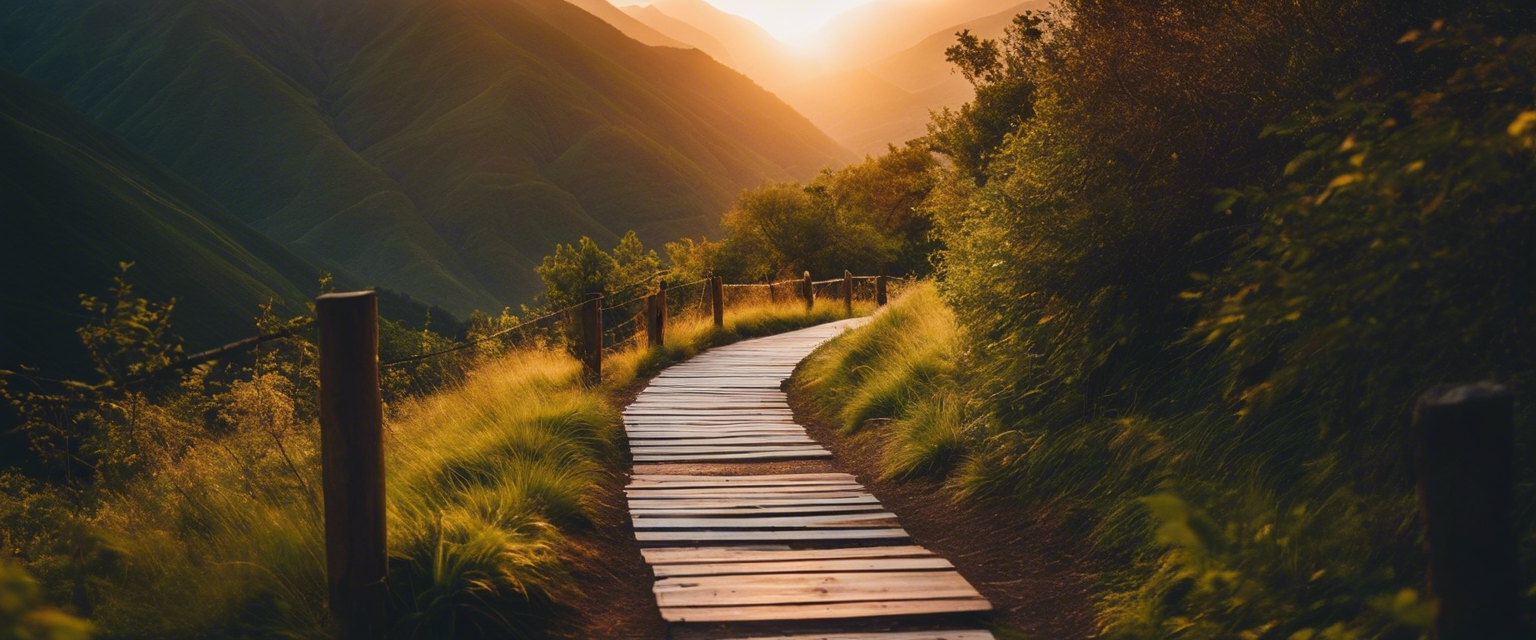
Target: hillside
<point>438,148</point>
<point>80,201</point>
<point>870,32</point>
<point>750,48</point>
<point>682,31</point>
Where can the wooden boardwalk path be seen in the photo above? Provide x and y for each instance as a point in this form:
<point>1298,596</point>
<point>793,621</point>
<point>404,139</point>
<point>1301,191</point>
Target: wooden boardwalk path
<point>758,555</point>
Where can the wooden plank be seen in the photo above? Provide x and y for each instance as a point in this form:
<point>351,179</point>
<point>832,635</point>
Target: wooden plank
<point>720,503</point>
<point>701,434</point>
<point>821,535</point>
<point>846,520</point>
<point>639,482</point>
<point>780,455</point>
<point>693,440</point>
<point>847,565</point>
<point>730,491</point>
<point>754,510</point>
<point>662,477</point>
<point>806,588</point>
<point>828,611</point>
<point>684,555</point>
<point>662,449</point>
<point>957,634</point>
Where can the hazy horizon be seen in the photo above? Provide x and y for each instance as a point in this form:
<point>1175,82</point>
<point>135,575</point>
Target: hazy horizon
<point>792,22</point>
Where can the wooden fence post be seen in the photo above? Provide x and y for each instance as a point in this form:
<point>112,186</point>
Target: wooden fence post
<point>848,291</point>
<point>592,338</point>
<point>352,462</point>
<point>807,290</point>
<point>717,295</point>
<point>1463,439</point>
<point>656,319</point>
<point>880,297</point>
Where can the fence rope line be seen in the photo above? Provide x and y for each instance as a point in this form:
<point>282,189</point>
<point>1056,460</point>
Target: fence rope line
<point>690,284</point>
<point>477,341</point>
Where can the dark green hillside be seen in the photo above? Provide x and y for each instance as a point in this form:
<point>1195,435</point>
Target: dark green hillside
<point>435,147</point>
<point>79,201</point>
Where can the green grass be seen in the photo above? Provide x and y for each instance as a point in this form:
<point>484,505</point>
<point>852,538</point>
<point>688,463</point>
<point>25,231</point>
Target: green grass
<point>1210,527</point>
<point>894,379</point>
<point>492,484</point>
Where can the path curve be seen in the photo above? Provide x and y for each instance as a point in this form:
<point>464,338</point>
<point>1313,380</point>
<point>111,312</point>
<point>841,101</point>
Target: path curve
<point>760,555</point>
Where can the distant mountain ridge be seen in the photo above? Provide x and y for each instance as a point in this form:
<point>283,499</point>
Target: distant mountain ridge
<point>439,147</point>
<point>877,85</point>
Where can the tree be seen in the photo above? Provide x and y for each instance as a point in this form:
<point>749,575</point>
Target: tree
<point>574,272</point>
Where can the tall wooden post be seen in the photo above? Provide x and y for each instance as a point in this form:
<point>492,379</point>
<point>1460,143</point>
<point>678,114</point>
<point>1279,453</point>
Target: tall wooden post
<point>848,292</point>
<point>1463,443</point>
<point>717,296</point>
<point>352,461</point>
<point>808,291</point>
<point>592,338</point>
<point>655,314</point>
<point>880,288</point>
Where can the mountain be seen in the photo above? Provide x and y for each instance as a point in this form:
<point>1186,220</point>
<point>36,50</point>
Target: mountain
<point>872,31</point>
<point>752,50</point>
<point>890,101</point>
<point>923,67</point>
<point>79,201</point>
<point>681,31</point>
<point>635,29</point>
<point>438,147</point>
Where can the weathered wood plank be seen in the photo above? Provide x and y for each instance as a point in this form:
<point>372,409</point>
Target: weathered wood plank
<point>775,455</point>
<point>728,491</point>
<point>874,635</point>
<point>680,555</point>
<point>659,477</point>
<point>806,588</point>
<point>717,503</point>
<point>643,482</point>
<point>829,611</point>
<point>771,536</point>
<point>845,565</point>
<point>754,510</point>
<point>880,519</point>
<point>693,440</point>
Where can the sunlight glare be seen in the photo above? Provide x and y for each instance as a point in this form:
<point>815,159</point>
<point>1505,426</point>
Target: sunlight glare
<point>793,22</point>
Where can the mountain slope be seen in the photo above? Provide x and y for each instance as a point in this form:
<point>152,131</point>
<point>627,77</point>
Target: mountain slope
<point>631,27</point>
<point>891,100</point>
<point>80,201</point>
<point>681,31</point>
<point>439,147</point>
<point>870,32</point>
<point>922,66</point>
<point>751,49</point>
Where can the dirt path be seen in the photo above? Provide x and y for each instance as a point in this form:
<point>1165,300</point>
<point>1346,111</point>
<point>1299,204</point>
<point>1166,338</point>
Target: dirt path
<point>1035,571</point>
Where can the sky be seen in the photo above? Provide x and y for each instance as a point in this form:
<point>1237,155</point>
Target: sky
<point>789,20</point>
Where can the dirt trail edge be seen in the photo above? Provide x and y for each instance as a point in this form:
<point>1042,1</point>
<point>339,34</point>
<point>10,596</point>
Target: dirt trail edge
<point>1036,572</point>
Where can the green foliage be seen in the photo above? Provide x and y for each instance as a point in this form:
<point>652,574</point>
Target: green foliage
<point>1424,195</point>
<point>576,271</point>
<point>24,617</point>
<point>1215,255</point>
<point>866,218</point>
<point>1005,93</point>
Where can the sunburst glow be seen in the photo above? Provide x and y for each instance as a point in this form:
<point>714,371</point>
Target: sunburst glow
<point>791,21</point>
